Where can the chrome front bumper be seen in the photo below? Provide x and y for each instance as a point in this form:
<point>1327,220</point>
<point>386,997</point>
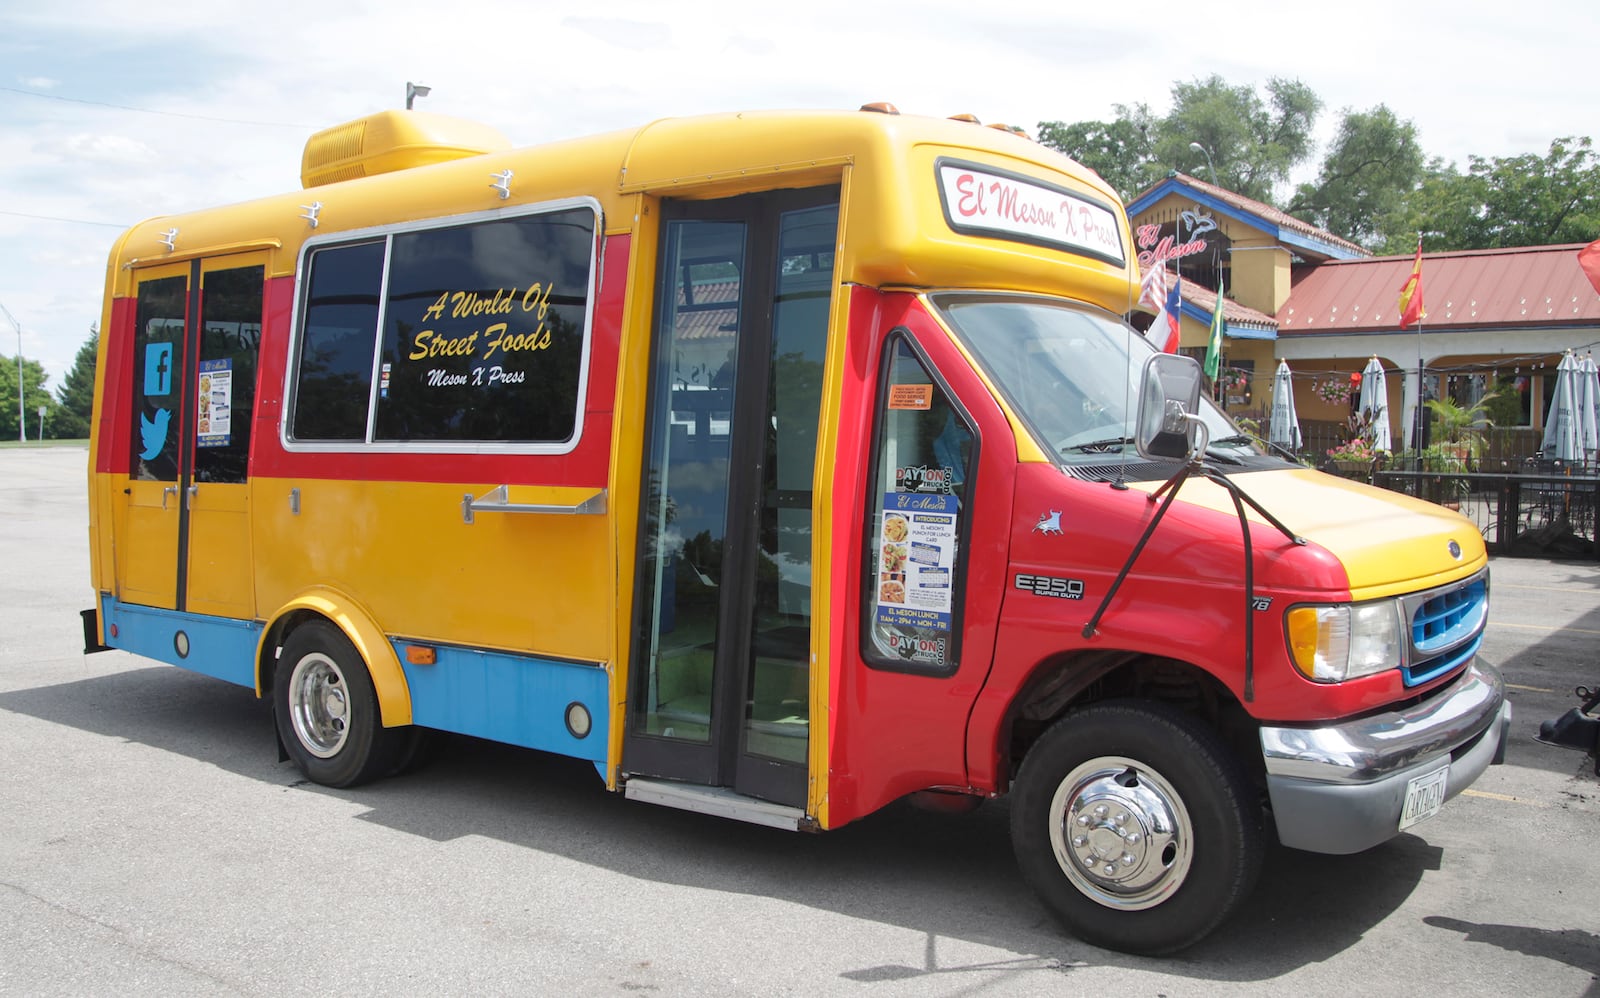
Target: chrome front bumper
<point>1340,788</point>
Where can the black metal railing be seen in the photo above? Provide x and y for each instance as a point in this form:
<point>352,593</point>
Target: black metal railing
<point>1531,513</point>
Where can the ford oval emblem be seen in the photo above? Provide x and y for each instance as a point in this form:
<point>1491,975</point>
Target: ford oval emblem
<point>1455,550</point>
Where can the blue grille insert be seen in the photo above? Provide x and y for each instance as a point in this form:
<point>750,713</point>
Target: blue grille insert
<point>1449,618</point>
<point>1446,631</point>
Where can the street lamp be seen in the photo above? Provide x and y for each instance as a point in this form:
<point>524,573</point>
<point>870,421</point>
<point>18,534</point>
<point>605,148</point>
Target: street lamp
<point>22,414</point>
<point>415,90</point>
<point>1197,147</point>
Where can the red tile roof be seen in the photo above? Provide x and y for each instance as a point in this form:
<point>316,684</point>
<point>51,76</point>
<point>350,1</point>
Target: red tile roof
<point>1466,289</point>
<point>1233,313</point>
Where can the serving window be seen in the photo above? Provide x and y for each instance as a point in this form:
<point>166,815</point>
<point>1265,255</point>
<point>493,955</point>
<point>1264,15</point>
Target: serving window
<point>463,334</point>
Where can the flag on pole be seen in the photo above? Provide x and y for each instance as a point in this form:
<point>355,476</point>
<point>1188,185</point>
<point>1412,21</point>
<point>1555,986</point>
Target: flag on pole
<point>1214,343</point>
<point>1153,287</point>
<point>1169,318</point>
<point>1589,260</point>
<point>1410,303</point>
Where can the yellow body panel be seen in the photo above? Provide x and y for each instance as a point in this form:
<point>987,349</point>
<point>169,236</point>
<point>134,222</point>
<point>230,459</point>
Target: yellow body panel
<point>403,549</point>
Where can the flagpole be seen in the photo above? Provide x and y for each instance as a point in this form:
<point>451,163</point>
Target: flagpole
<point>1422,386</point>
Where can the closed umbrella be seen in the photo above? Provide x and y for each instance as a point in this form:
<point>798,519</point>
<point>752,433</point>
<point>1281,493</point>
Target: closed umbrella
<point>1589,406</point>
<point>1285,429</point>
<point>1563,432</point>
<point>1374,403</point>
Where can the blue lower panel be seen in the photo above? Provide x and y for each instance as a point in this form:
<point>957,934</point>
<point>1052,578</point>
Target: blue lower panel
<point>215,646</point>
<point>515,699</point>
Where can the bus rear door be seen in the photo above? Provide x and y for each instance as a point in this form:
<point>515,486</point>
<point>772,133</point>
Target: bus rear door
<point>186,536</point>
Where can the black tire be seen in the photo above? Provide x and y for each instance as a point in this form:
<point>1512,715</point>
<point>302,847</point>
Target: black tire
<point>1136,826</point>
<point>327,710</point>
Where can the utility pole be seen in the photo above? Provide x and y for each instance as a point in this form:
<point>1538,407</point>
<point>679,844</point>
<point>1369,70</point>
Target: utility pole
<point>22,413</point>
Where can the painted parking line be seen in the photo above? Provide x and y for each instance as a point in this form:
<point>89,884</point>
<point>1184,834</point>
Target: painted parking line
<point>1469,792</point>
<point>1528,689</point>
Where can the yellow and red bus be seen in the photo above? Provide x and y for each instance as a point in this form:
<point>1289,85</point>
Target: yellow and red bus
<point>782,465</point>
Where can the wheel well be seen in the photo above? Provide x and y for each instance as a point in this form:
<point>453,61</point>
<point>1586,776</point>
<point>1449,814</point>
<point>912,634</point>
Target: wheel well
<point>1071,681</point>
<point>272,644</point>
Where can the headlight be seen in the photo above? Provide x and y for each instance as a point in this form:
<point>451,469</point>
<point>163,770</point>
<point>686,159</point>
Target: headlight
<point>1331,644</point>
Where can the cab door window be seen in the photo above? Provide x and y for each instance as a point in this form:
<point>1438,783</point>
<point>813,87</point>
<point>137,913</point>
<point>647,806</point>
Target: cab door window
<point>924,456</point>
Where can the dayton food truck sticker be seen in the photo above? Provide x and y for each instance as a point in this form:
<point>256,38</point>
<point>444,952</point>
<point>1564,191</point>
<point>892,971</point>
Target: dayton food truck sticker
<point>916,555</point>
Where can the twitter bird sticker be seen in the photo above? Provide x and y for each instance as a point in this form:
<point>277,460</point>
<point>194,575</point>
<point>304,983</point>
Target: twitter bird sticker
<point>153,432</point>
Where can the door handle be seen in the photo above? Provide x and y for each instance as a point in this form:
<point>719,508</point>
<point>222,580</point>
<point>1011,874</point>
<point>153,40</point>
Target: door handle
<point>170,490</point>
<point>194,490</point>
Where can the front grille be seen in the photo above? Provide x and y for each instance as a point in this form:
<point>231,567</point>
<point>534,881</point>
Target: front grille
<point>1446,628</point>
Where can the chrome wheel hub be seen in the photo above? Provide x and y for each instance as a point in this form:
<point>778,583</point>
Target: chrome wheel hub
<point>1121,833</point>
<point>319,705</point>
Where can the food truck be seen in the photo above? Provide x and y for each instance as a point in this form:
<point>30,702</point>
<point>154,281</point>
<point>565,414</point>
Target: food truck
<point>783,466</point>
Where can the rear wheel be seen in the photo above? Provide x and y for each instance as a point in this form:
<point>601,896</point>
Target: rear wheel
<point>327,709</point>
<point>1136,826</point>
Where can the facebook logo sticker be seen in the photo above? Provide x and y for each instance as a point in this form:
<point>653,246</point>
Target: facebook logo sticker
<point>157,368</point>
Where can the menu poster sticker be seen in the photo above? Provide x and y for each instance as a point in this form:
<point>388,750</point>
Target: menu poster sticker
<point>214,427</point>
<point>916,565</point>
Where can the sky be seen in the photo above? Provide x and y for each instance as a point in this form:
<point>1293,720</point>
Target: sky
<point>112,113</point>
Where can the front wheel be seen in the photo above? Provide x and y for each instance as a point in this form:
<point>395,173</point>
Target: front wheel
<point>327,709</point>
<point>1135,826</point>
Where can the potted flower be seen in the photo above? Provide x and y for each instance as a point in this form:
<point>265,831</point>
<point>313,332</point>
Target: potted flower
<point>1335,390</point>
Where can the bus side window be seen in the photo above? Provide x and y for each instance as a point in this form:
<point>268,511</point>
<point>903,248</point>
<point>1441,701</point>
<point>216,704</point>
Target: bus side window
<point>339,331</point>
<point>924,458</point>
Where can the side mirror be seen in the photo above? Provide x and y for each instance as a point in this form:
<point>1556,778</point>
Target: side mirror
<point>1169,398</point>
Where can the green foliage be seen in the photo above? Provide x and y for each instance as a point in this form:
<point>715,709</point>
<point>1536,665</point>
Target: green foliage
<point>1459,428</point>
<point>76,394</point>
<point>1525,200</point>
<point>1373,164</point>
<point>1375,186</point>
<point>34,376</point>
<point>1253,142</point>
<point>1120,151</point>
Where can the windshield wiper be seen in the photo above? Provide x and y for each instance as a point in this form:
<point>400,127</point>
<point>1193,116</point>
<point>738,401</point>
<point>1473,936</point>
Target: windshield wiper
<point>1101,445</point>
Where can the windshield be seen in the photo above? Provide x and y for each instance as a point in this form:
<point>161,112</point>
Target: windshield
<point>1068,373</point>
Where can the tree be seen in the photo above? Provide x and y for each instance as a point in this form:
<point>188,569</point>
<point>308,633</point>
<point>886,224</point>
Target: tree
<point>1121,151</point>
<point>33,374</point>
<point>1524,200</point>
<point>1253,142</point>
<point>76,394</point>
<point>1373,165</point>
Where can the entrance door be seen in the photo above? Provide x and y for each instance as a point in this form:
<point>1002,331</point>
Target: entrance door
<point>195,342</point>
<point>721,662</point>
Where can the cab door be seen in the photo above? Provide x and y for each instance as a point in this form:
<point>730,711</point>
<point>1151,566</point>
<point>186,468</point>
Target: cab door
<point>185,541</point>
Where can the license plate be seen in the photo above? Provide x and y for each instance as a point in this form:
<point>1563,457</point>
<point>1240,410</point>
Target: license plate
<point>1424,797</point>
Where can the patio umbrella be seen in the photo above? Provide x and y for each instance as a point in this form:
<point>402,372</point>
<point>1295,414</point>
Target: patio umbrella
<point>1589,406</point>
<point>1375,399</point>
<point>1563,434</point>
<point>1285,428</point>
